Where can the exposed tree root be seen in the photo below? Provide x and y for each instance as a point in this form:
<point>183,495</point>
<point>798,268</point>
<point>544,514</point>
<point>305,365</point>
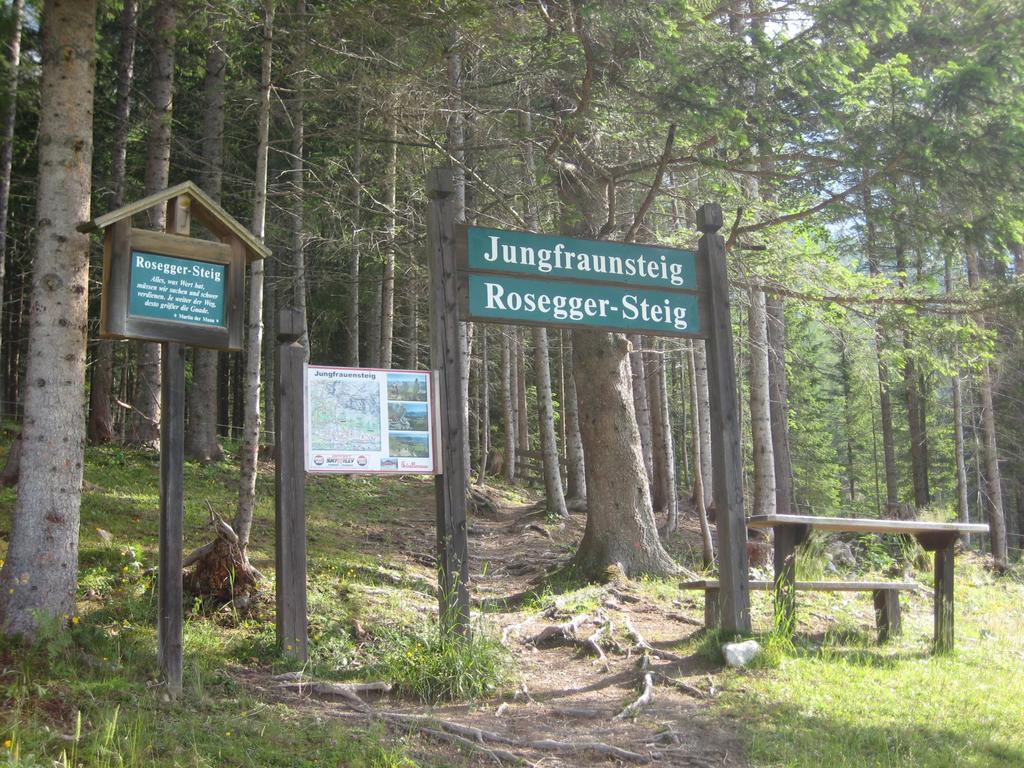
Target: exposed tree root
<point>644,645</point>
<point>646,697</point>
<point>565,631</point>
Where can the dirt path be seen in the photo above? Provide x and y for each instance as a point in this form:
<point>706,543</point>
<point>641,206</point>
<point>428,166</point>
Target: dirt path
<point>567,708</point>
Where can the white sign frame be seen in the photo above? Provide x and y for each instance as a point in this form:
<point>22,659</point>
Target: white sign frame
<point>375,401</point>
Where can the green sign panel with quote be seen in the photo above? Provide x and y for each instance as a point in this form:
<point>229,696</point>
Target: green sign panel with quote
<point>555,281</point>
<point>176,289</point>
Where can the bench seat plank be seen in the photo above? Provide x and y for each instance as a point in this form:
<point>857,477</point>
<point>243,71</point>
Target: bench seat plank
<point>814,586</point>
<point>865,525</point>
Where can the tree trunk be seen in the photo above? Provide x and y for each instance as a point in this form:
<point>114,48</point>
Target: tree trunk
<point>993,478</point>
<point>522,417</point>
<point>298,172</point>
<point>911,387</point>
<point>785,503</point>
<point>708,547</point>
<point>575,465</point>
<point>659,490</point>
<point>703,416</point>
<point>201,442</point>
<point>638,378</point>
<point>555,499</point>
<point>847,378</point>
<point>353,310</point>
<point>251,432</point>
<point>620,520</point>
<point>7,134</point>
<point>387,304</point>
<point>38,580</point>
<point>892,479</point>
<point>508,402</point>
<point>144,426</point>
<point>485,409</point>
<point>760,408</point>
<point>962,507</point>
<point>664,447</point>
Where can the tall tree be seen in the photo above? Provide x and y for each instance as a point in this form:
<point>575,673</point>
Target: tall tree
<point>145,421</point>
<point>251,433</point>
<point>39,576</point>
<point>993,476</point>
<point>201,437</point>
<point>9,100</point>
<point>101,420</point>
<point>760,408</point>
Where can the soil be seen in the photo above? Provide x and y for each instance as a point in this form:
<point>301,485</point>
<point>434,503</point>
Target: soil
<point>565,693</point>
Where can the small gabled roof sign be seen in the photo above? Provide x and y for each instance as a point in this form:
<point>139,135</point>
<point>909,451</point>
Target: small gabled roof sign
<point>203,208</point>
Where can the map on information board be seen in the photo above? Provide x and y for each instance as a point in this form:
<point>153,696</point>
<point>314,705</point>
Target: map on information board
<point>368,420</point>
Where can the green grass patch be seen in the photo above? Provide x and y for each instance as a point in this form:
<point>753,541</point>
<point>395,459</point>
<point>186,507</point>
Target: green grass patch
<point>837,699</point>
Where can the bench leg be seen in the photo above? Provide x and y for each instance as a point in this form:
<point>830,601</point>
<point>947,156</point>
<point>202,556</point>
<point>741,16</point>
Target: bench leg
<point>712,609</point>
<point>944,599</point>
<point>786,539</point>
<point>888,618</point>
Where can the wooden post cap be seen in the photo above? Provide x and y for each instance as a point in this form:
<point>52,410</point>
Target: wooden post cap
<point>289,325</point>
<point>709,217</point>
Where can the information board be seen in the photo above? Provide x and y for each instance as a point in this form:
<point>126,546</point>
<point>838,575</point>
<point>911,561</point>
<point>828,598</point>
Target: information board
<point>366,420</point>
<point>181,290</point>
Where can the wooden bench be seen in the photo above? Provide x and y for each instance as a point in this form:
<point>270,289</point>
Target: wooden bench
<point>888,618</point>
<point>940,538</point>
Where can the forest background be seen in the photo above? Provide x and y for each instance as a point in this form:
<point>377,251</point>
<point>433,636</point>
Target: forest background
<point>868,158</point>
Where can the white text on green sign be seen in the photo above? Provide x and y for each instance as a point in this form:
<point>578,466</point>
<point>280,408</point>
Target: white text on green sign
<point>562,303</point>
<point>180,290</point>
<point>604,261</point>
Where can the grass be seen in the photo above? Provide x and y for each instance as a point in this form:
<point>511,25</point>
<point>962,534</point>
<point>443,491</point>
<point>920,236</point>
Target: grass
<point>837,699</point>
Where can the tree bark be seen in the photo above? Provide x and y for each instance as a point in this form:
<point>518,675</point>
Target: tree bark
<point>144,426</point>
<point>251,430</point>
<point>201,442</point>
<point>38,580</point>
<point>993,477</point>
<point>554,498</point>
<point>911,386</point>
<point>760,408</point>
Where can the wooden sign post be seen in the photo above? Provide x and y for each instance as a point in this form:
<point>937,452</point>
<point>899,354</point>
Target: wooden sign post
<point>445,358</point>
<point>169,288</point>
<point>289,489</point>
<point>554,281</point>
<point>726,456</point>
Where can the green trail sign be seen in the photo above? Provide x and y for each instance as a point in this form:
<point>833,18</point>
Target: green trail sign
<point>181,290</point>
<point>503,298</point>
<point>522,277</point>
